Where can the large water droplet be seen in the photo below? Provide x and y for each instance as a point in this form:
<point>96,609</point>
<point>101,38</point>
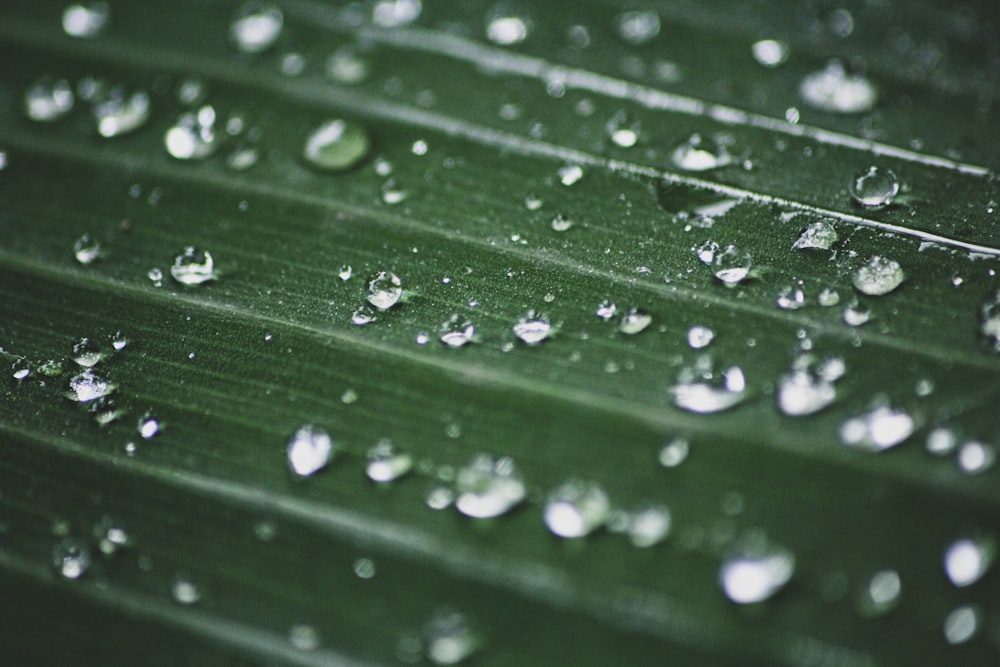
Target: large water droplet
<point>449,638</point>
<point>732,265</point>
<point>879,275</point>
<point>700,153</point>
<point>336,145</point>
<point>874,187</point>
<point>634,320</point>
<point>86,249</point>
<point>576,509</point>
<point>309,450</point>
<point>833,89</point>
<point>193,136</point>
<point>878,429</point>
<point>120,112</point>
<point>256,26</point>
<point>532,328</point>
<point>488,487</point>
<point>962,624</point>
<point>967,560</point>
<point>48,99</point>
<point>638,27</point>
<point>70,558</point>
<point>756,572</point>
<point>819,234</point>
<point>701,389</point>
<point>387,462</point>
<point>769,52</point>
<point>193,266</point>
<point>384,289</point>
<point>86,19</point>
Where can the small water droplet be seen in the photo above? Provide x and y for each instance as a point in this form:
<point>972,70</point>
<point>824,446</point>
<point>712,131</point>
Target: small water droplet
<point>71,558</point>
<point>51,368</point>
<point>532,327</point>
<point>638,27</point>
<point>364,568</point>
<point>975,457</point>
<point>86,19</point>
<point>120,112</point>
<point>706,252</point>
<point>828,297</point>
<point>449,638</point>
<point>874,187</point>
<point>634,320</point>
<point>48,99</point>
<point>336,145</point>
<point>835,90</point>
<point>769,52</point>
<point>570,174</point>
<point>756,572</point>
<point>961,624</point>
<point>21,369</point>
<point>111,536</point>
<point>532,202</point>
<point>623,130</point>
<point>606,310</point>
<point>880,594</point>
<point>674,452</point>
<point>86,250</point>
<point>819,234</point>
<point>256,26</point>
<point>456,332</point>
<point>309,450</point>
<point>702,390</point>
<point>505,29</point>
<point>119,341</point>
<point>561,223</point>
<point>700,153</point>
<point>193,266</point>
<point>878,429</point>
<point>149,426</point>
<point>193,136</point>
<point>243,158</point>
<point>185,591</point>
<point>576,508</point>
<point>699,337</point>
<point>393,193</point>
<point>363,315</point>
<point>303,637</point>
<point>732,265</point>
<point>86,353</point>
<point>967,560</point>
<point>487,487</point>
<point>384,289</point>
<point>346,66</point>
<point>648,527</point>
<point>808,387</point>
<point>879,275</point>
<point>791,297</point>
<point>856,314</point>
<point>387,462</point>
<point>349,397</point>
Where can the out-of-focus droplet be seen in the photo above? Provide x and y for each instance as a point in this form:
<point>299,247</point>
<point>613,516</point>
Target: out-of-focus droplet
<point>634,320</point>
<point>674,452</point>
<point>193,266</point>
<point>835,90</point>
<point>396,13</point>
<point>989,321</point>
<point>149,426</point>
<point>336,145</point>
<point>874,187</point>
<point>86,249</point>
<point>880,594</point>
<point>878,429</point>
<point>967,560</point>
<point>623,130</point>
<point>856,314</point>
<point>70,558</point>
<point>638,27</point>
<point>649,526</point>
<point>185,591</point>
<point>193,136</point>
<point>449,638</point>
<point>975,457</point>
<point>756,572</point>
<point>769,52</point>
<point>699,337</point>
<point>700,153</point>
<point>387,462</point>
<point>121,111</point>
<point>569,174</point>
<point>576,508</point>
<point>256,26</point>
<point>86,19</point>
<point>309,450</point>
<point>303,637</point>
<point>364,568</point>
<point>878,275</point>
<point>48,99</point>
<point>347,66</point>
<point>487,487</point>
<point>505,28</point>
<point>561,223</point>
<point>941,441</point>
<point>962,624</point>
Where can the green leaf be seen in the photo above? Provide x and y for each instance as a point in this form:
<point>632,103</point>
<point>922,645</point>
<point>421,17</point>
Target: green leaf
<point>489,179</point>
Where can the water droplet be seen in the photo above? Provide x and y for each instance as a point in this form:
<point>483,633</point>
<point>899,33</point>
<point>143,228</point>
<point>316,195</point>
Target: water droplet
<point>606,310</point>
<point>819,234</point>
<point>185,591</point>
<point>345,272</point>
<point>349,397</point>
<point>975,457</point>
<point>51,368</point>
<point>623,130</point>
<point>70,558</point>
<point>384,290</point>
<point>148,427</point>
<point>576,509</point>
<point>706,252</point>
<point>856,314</point>
<point>532,202</point>
<point>364,568</point>
<point>393,192</point>
<point>807,388</point>
<point>560,223</point>
<point>699,337</point>
<point>967,560</point>
<point>457,332</point>
<point>638,27</point>
<point>120,112</point>
<point>488,487</point>
<point>877,430</point>
<point>303,637</point>
<point>111,536</point>
<point>439,497</point>
<point>732,265</point>
<point>336,145</point>
<point>21,369</point>
<point>363,315</point>
<point>879,275</point>
<point>193,266</point>
<point>961,624</point>
<point>833,89</point>
<point>634,320</point>
<point>387,462</point>
<point>256,26</point>
<point>874,187</point>
<point>828,297</point>
<point>449,638</point>
<point>242,158</point>
<point>880,594</point>
<point>86,20</point>
<point>941,441</point>
<point>699,153</point>
<point>700,389</point>
<point>87,353</point>
<point>86,250</point>
<point>395,13</point>
<point>674,453</point>
<point>791,297</point>
<point>119,341</point>
<point>989,321</point>
<point>346,66</point>
<point>3,160</point>
<point>569,174</point>
<point>48,99</point>
<point>756,572</point>
<point>193,136</point>
<point>770,52</point>
<point>532,328</point>
<point>309,450</point>
<point>648,527</point>
<point>155,275</point>
<point>506,30</point>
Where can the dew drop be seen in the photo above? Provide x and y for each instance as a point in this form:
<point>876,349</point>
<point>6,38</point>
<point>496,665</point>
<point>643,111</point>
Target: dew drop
<point>576,508</point>
<point>345,272</point>
<point>48,99</point>
<point>561,223</point>
<point>111,536</point>
<point>732,265</point>
<point>700,153</point>
<point>336,145</point>
<point>456,332</point>
<point>879,275</point>
<point>961,624</point>
<point>699,337</point>
<point>569,174</point>
<point>242,158</point>
<point>756,573</point>
<point>363,315</point>
<point>674,453</point>
<point>185,591</point>
<point>51,368</point>
<point>807,388</point>
<point>532,328</point>
<point>120,112</point>
<point>834,90</point>
<point>86,353</point>
<point>449,638</point>
<point>119,341</point>
<point>828,297</point>
<point>874,187</point>
<point>148,427</point>
<point>487,487</point>
<point>86,249</point>
<point>967,560</point>
<point>309,450</point>
<point>439,497</point>
<point>634,320</point>
<point>86,20</point>
<point>791,297</point>
<point>878,429</point>
<point>638,27</point>
<point>606,310</point>
<point>393,193</point>
<point>880,594</point>
<point>256,26</point>
<point>387,462</point>
<point>770,52</point>
<point>819,235</point>
<point>193,136</point>
<point>383,290</point>
<point>21,369</point>
<point>70,558</point>
<point>193,266</point>
<point>856,314</point>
